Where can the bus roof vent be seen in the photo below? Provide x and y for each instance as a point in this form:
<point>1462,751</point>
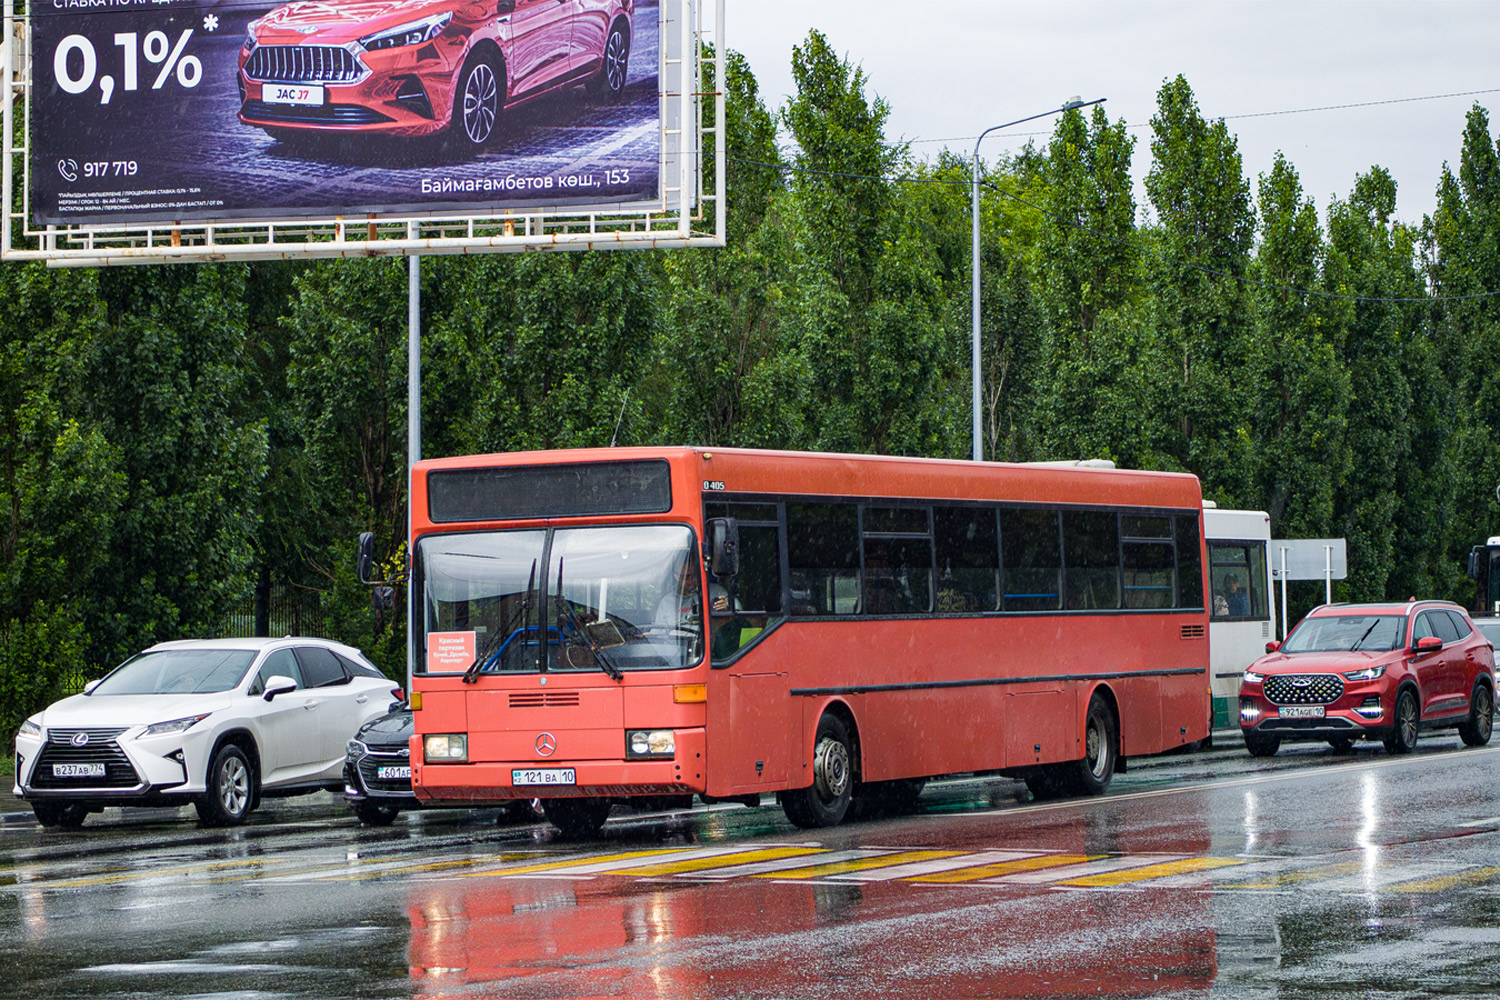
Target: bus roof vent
<point>1077,463</point>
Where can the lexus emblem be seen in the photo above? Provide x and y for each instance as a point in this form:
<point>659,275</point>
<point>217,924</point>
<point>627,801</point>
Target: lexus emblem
<point>546,744</point>
<point>80,739</point>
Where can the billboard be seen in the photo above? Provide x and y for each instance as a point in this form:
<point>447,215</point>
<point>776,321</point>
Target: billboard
<point>146,111</point>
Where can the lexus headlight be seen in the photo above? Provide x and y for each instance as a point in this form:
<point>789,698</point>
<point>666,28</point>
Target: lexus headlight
<point>30,728</point>
<point>650,743</point>
<point>1367,674</point>
<point>414,33</point>
<point>445,748</point>
<point>1251,677</point>
<point>175,726</point>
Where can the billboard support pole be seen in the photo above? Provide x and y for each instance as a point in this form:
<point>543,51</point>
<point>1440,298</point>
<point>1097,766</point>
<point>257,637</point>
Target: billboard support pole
<point>413,434</point>
<point>1283,593</point>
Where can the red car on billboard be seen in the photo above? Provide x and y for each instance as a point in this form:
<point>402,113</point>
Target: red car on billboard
<point>1371,671</point>
<point>413,67</point>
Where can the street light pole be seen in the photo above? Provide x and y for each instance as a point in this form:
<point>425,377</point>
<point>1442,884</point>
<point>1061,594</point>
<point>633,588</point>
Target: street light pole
<point>1067,105</point>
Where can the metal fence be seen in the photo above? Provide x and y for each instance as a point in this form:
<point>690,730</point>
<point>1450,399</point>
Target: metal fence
<point>291,611</point>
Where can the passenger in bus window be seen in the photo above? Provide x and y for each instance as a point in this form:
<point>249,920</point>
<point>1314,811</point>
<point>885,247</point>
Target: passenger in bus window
<point>1237,598</point>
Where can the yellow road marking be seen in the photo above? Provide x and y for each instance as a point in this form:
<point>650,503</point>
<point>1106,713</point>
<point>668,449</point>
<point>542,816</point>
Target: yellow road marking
<point>429,866</point>
<point>719,861</point>
<point>1281,879</point>
<point>1006,868</point>
<point>548,866</point>
<point>1145,872</point>
<point>1444,882</point>
<point>154,873</point>
<point>859,864</point>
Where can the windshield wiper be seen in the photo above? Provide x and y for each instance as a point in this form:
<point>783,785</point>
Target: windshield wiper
<point>1360,641</point>
<point>600,656</point>
<point>503,636</point>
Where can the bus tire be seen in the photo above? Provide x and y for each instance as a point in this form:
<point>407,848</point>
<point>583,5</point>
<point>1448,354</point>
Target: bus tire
<point>577,817</point>
<point>1262,746</point>
<point>1101,747</point>
<point>826,800</point>
<point>1046,783</point>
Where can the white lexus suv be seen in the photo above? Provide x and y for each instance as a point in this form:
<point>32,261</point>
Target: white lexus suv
<point>215,722</point>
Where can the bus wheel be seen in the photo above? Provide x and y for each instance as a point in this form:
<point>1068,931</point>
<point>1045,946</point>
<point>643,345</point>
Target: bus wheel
<point>577,817</point>
<point>1101,742</point>
<point>1262,746</point>
<point>1045,783</point>
<point>826,800</point>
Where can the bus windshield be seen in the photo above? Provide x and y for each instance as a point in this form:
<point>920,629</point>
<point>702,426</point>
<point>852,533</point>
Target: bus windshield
<point>613,598</point>
<point>1346,633</point>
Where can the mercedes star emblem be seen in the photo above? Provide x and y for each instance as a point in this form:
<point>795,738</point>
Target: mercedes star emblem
<point>546,744</point>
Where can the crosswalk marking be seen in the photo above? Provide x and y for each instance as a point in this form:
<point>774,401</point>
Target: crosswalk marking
<point>1383,875</point>
<point>738,857</point>
<point>996,863</point>
<point>1147,872</point>
<point>1442,883</point>
<point>777,865</point>
<point>807,862</point>
<point>1086,868</point>
<point>155,873</point>
<point>606,862</point>
<point>859,864</point>
<point>1280,880</point>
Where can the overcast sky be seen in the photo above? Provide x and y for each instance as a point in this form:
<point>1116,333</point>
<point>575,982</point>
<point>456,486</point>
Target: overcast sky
<point>951,69</point>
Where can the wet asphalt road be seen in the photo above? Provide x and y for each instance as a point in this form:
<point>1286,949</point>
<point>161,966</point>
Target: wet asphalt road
<point>1205,875</point>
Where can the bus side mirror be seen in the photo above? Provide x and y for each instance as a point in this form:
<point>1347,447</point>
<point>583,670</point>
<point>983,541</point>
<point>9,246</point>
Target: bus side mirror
<point>364,563</point>
<point>1474,562</point>
<point>723,547</point>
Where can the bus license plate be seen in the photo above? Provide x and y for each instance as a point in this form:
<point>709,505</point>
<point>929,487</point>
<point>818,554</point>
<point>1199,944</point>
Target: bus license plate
<point>77,770</point>
<point>544,776</point>
<point>389,773</point>
<point>1302,712</point>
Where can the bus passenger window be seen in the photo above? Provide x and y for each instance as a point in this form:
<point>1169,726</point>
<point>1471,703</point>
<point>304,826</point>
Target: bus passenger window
<point>898,561</point>
<point>1237,573</point>
<point>968,558</point>
<point>822,541</point>
<point>1189,562</point>
<point>1032,560</point>
<point>1147,563</point>
<point>1091,553</point>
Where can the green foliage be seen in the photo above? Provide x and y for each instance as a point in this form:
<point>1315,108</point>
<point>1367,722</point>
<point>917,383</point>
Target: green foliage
<point>171,437</point>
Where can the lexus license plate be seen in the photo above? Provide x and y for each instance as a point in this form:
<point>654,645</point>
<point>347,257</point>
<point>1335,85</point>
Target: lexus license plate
<point>393,772</point>
<point>77,770</point>
<point>1302,712</point>
<point>293,93</point>
<point>543,776</point>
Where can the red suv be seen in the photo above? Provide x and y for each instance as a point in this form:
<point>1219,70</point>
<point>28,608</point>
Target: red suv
<point>1371,671</point>
<point>410,67</point>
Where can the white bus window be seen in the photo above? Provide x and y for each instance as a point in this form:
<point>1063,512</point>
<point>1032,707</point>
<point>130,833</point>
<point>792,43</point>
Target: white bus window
<point>1237,575</point>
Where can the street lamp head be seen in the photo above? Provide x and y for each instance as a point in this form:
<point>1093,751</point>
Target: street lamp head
<point>1073,102</point>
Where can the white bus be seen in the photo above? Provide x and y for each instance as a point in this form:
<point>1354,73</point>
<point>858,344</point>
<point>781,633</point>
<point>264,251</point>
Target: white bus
<point>1241,607</point>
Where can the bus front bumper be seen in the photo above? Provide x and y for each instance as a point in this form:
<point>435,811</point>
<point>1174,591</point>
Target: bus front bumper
<point>500,781</point>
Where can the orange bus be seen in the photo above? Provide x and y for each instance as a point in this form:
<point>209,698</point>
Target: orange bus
<point>610,625</point>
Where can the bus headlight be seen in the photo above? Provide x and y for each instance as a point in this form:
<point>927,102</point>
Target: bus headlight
<point>445,748</point>
<point>645,743</point>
